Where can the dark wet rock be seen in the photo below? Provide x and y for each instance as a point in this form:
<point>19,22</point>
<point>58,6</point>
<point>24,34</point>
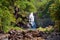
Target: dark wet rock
<point>1,32</point>
<point>29,35</point>
<point>54,36</point>
<point>41,34</point>
<point>33,35</point>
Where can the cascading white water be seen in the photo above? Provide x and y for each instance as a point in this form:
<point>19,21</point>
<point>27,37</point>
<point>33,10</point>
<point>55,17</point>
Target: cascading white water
<point>31,20</point>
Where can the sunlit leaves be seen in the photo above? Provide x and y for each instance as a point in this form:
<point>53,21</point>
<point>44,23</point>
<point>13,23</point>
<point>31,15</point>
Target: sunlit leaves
<point>25,5</point>
<point>54,10</point>
<point>55,13</point>
<point>6,18</point>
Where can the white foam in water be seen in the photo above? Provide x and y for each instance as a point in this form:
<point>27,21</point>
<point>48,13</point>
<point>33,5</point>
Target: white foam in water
<point>31,20</point>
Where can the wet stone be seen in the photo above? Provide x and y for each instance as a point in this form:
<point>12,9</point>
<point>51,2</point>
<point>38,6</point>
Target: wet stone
<point>33,35</point>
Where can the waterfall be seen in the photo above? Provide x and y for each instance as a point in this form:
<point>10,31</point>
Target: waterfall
<point>31,20</point>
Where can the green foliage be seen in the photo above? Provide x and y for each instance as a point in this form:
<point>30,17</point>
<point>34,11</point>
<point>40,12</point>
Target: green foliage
<point>47,29</point>
<point>55,13</point>
<point>5,19</point>
<point>40,15</point>
<point>25,5</point>
<point>7,10</point>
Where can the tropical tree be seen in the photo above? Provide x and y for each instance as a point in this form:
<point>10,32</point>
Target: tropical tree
<point>55,13</point>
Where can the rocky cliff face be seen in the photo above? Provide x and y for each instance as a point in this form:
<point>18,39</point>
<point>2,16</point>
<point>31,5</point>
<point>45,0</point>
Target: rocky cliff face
<point>43,21</point>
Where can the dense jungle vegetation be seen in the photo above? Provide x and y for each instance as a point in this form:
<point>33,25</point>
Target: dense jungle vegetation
<point>13,13</point>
